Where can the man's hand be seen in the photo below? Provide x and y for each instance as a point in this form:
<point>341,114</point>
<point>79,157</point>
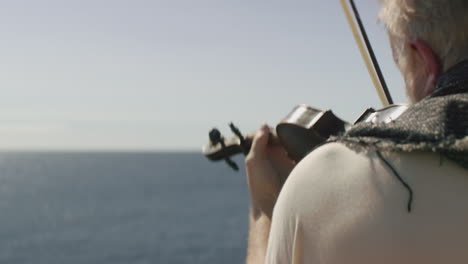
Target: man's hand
<point>268,167</point>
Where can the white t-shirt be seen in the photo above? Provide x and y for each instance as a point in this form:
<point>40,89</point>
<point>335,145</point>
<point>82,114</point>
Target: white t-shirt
<point>339,206</point>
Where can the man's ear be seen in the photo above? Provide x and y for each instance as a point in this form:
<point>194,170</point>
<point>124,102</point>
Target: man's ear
<point>429,66</point>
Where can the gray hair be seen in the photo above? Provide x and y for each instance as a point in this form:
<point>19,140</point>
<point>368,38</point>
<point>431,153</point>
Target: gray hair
<point>442,24</point>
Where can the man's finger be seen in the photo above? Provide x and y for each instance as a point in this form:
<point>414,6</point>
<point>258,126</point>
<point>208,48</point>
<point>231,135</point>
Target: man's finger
<point>260,141</point>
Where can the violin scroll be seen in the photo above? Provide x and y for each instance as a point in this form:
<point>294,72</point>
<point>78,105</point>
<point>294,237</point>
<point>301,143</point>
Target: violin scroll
<point>220,148</point>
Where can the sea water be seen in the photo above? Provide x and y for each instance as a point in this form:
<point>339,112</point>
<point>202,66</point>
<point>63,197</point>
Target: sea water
<point>120,208</point>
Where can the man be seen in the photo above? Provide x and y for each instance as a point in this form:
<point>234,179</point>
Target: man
<point>386,193</point>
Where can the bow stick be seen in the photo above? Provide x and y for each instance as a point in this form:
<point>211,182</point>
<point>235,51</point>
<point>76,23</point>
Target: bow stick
<point>367,53</point>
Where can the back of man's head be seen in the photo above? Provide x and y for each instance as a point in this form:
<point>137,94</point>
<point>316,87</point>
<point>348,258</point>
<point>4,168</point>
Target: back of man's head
<point>442,24</point>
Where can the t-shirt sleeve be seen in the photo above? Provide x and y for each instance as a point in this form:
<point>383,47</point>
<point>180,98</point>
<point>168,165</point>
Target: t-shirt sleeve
<point>285,242</point>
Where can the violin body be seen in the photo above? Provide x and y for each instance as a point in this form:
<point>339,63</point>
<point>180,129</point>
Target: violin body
<point>305,128</point>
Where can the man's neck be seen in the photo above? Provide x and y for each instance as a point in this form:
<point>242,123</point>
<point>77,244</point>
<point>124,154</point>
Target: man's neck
<point>454,80</point>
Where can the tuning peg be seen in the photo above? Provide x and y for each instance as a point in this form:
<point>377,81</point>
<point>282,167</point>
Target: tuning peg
<point>242,142</point>
<point>215,136</point>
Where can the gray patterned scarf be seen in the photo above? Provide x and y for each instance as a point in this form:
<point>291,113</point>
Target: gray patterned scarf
<point>438,123</point>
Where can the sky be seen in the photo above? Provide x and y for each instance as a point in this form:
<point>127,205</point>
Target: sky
<point>158,75</point>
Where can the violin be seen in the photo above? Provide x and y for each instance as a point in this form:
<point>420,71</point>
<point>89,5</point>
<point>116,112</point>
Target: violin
<point>300,132</point>
<point>305,127</point>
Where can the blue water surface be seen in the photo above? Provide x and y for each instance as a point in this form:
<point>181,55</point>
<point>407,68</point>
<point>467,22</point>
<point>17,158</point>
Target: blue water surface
<point>120,208</point>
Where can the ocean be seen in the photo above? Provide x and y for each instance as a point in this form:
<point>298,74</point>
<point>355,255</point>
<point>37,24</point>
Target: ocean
<point>120,208</point>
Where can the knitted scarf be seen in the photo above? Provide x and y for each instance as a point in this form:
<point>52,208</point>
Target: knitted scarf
<point>438,123</point>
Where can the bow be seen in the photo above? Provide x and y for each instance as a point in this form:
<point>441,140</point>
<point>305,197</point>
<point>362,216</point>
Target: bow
<point>367,53</point>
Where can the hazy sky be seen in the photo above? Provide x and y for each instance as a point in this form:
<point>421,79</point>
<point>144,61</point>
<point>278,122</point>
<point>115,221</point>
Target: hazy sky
<point>157,75</point>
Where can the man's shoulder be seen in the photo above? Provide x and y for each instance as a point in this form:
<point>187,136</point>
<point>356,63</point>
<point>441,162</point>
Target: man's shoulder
<point>332,152</point>
<point>339,176</point>
<point>332,164</point>
<point>335,160</point>
<point>329,176</point>
<point>337,196</point>
<point>329,190</point>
